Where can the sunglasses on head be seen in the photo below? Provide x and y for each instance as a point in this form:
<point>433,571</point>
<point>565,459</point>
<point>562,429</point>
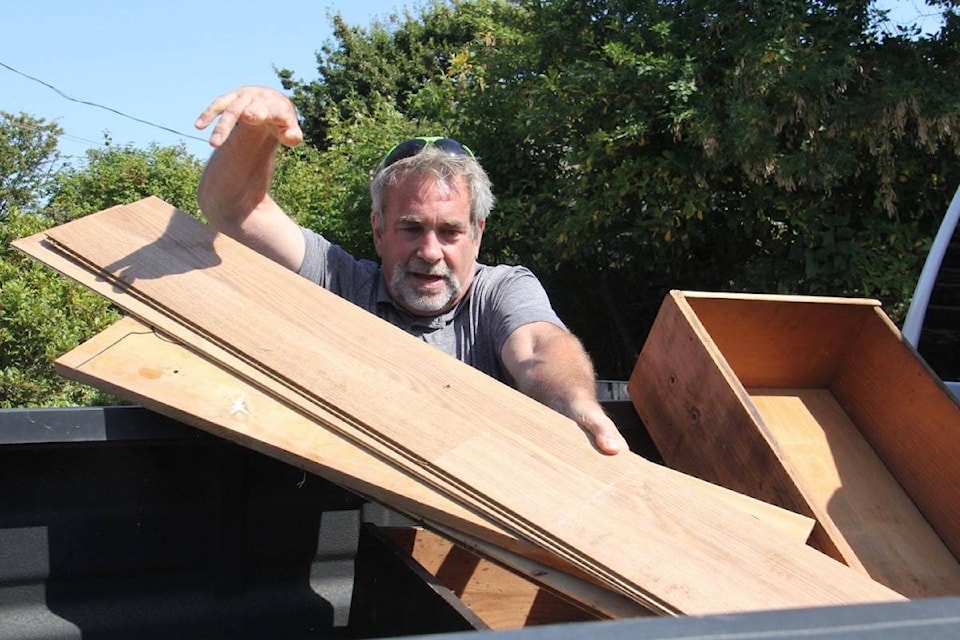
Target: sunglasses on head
<point>413,146</point>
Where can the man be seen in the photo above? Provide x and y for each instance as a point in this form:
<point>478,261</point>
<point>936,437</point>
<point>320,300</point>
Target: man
<point>430,202</point>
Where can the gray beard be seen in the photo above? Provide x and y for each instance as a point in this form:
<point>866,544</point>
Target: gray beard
<point>412,299</point>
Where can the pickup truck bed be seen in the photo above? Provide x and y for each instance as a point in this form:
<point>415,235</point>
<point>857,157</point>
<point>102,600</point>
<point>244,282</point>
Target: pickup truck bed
<point>120,523</point>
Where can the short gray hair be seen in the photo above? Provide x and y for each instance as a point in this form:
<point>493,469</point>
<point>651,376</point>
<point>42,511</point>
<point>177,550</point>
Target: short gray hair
<point>444,168</point>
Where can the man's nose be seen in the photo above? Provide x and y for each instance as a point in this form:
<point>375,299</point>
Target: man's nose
<point>429,249</point>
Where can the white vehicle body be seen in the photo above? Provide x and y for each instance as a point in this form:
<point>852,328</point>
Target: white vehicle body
<point>932,324</point>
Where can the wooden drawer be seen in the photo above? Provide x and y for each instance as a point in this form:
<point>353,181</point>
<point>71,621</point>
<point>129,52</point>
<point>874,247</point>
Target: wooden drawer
<point>816,405</point>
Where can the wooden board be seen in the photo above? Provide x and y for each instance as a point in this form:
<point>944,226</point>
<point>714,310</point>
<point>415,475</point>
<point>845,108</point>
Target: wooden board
<point>909,418</point>
<point>501,598</point>
<point>109,360</point>
<point>738,390</point>
<point>416,407</point>
<point>591,598</point>
<point>130,360</point>
<point>862,507</point>
<point>393,595</point>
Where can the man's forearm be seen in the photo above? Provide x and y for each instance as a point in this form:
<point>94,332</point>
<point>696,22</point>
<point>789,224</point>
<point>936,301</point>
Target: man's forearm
<point>559,373</point>
<point>236,180</point>
<point>234,192</point>
<point>551,366</point>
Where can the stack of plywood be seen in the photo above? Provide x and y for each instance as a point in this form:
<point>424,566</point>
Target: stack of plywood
<point>233,343</point>
<point>817,405</point>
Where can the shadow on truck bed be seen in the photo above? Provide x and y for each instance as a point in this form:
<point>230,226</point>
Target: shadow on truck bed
<point>120,523</point>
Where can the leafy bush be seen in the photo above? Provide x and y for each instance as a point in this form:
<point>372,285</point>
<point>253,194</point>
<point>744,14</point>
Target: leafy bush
<point>42,316</point>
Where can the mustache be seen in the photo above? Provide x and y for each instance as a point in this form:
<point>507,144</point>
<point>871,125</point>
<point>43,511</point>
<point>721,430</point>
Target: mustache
<point>422,268</point>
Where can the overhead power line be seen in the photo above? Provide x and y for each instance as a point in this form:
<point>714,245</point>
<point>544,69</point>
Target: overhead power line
<point>100,106</point>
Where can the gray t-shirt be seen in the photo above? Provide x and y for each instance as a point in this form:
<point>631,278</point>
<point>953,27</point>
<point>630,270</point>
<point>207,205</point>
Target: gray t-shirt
<point>500,300</point>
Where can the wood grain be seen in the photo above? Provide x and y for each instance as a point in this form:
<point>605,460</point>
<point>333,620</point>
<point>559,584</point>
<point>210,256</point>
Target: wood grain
<point>865,511</point>
<point>501,598</point>
<point>418,408</point>
<point>910,419</point>
<point>811,447</point>
<point>781,341</point>
<point>109,360</point>
<point>130,360</point>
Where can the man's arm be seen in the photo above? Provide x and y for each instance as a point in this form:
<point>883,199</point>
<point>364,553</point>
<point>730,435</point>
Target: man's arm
<point>234,190</point>
<point>550,365</point>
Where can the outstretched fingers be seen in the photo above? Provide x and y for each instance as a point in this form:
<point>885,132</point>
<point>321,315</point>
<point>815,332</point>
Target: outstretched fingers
<point>223,108</point>
<point>254,106</point>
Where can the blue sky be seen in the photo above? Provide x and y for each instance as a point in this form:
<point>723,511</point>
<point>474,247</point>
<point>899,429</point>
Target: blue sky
<point>163,62</point>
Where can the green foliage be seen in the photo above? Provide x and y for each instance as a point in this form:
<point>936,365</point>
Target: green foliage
<point>384,64</point>
<point>328,190</point>
<point>643,145</point>
<point>42,316</point>
<point>120,175</point>
<point>635,146</point>
<point>28,156</point>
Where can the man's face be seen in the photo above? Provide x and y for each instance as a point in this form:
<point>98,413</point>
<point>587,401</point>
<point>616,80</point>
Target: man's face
<point>426,247</point>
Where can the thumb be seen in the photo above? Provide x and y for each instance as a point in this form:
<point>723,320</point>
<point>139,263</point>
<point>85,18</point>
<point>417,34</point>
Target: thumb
<point>290,136</point>
<point>606,436</point>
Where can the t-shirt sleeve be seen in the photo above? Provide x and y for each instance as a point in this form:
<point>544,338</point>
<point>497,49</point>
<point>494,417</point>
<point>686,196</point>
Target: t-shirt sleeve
<point>314,265</point>
<point>333,268</point>
<point>518,299</point>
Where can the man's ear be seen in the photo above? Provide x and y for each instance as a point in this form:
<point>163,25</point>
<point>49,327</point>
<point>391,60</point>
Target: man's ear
<point>377,233</point>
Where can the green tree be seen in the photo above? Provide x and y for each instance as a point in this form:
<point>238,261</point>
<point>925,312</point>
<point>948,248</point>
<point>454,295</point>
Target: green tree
<point>639,146</point>
<point>635,146</point>
<point>119,175</point>
<point>28,157</point>
<point>386,63</point>
<point>43,315</point>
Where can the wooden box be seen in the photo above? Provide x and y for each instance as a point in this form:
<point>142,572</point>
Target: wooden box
<point>819,406</point>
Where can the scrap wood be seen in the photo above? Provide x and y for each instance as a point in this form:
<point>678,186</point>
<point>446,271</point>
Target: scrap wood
<point>503,596</point>
<point>863,510</point>
<point>593,598</point>
<point>814,404</point>
<point>693,556</point>
<point>105,361</point>
<point>225,301</point>
<point>132,361</point>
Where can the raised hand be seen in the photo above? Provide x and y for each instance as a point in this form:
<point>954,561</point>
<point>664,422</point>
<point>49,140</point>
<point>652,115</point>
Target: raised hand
<point>260,107</point>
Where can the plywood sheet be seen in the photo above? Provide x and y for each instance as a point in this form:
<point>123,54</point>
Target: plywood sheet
<point>111,358</point>
<point>130,360</point>
<point>501,598</point>
<point>420,406</point>
<point>594,599</point>
<point>910,419</point>
<point>865,511</point>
